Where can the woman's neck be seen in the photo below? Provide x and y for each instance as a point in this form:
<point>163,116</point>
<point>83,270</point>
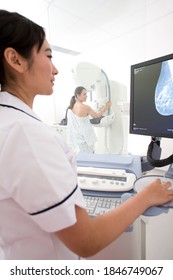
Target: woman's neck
<point>19,94</point>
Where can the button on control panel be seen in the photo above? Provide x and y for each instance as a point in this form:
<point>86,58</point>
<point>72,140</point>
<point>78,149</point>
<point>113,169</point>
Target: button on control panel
<point>102,179</point>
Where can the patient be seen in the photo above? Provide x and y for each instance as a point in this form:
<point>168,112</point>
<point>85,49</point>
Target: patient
<point>80,132</point>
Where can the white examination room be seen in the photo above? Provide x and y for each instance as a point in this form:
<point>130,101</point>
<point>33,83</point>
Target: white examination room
<point>120,52</point>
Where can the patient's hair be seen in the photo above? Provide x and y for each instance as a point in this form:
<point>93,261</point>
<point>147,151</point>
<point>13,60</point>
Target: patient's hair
<point>77,92</point>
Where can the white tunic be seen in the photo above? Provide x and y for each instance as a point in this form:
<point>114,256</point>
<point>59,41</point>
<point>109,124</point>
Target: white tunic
<point>38,185</point>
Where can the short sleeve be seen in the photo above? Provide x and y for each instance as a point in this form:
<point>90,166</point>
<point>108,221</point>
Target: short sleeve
<point>39,173</point>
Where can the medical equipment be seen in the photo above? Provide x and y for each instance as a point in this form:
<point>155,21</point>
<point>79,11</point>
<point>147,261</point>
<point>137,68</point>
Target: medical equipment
<point>100,179</point>
<point>99,203</point>
<point>112,128</point>
<point>102,188</point>
<point>113,175</point>
<point>129,163</point>
<point>151,88</point>
<point>109,175</point>
<point>151,106</point>
<point>103,181</point>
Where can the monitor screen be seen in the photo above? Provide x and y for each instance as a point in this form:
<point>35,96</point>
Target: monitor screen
<point>151,97</point>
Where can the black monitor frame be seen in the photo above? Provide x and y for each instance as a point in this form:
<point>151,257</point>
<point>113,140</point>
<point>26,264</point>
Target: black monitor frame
<point>156,129</point>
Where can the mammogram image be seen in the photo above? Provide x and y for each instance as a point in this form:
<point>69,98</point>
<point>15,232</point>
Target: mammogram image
<point>164,90</point>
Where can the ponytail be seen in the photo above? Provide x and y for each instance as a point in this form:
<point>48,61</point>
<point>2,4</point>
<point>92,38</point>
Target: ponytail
<point>72,102</point>
<point>77,92</point>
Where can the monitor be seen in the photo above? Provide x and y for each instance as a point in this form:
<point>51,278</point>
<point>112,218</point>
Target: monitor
<point>151,105</point>
<point>151,97</point>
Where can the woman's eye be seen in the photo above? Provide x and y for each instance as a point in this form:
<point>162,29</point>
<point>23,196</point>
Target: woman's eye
<point>49,56</point>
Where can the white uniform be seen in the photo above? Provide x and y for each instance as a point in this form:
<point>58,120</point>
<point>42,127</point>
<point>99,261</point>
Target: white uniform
<point>38,185</point>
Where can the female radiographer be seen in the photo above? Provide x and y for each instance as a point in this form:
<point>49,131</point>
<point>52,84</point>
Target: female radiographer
<point>42,210</point>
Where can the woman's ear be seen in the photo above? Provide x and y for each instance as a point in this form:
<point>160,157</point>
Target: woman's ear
<point>13,59</point>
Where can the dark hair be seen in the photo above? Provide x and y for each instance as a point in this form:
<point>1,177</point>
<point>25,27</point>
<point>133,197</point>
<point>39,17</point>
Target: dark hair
<point>20,33</point>
<point>77,92</point>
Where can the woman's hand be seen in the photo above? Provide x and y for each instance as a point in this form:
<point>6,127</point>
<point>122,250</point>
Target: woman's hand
<point>108,105</point>
<point>158,193</point>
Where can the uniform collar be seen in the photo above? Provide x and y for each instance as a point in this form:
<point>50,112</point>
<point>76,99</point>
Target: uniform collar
<point>14,102</point>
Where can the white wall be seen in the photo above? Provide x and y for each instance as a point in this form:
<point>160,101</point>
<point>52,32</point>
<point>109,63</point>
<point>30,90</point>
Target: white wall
<point>52,108</point>
<point>146,35</point>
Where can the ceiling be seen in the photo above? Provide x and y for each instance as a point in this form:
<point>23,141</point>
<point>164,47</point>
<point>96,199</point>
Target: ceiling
<point>76,26</point>
<point>83,25</point>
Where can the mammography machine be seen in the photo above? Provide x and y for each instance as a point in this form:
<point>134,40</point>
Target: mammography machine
<point>112,128</point>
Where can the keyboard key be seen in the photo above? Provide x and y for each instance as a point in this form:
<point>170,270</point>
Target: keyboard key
<point>98,205</point>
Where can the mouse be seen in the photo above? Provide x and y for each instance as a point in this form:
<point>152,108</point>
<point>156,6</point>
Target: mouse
<point>142,182</point>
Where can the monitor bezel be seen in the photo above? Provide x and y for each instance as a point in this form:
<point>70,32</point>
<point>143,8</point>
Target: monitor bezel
<point>131,121</point>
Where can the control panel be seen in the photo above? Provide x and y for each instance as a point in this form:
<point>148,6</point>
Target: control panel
<point>103,179</point>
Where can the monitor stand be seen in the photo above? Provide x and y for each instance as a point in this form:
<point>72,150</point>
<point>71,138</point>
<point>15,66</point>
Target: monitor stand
<point>169,172</point>
<point>155,154</point>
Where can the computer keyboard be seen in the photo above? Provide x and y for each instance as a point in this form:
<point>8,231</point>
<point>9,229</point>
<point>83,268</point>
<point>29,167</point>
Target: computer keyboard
<point>97,205</point>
